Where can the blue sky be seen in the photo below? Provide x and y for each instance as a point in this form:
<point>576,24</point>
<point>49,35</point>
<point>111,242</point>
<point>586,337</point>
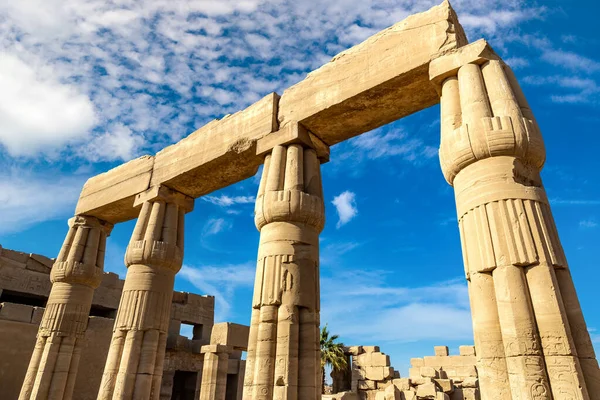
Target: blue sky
<point>88,84</point>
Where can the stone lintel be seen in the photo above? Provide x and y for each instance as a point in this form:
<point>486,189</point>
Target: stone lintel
<point>165,194</point>
<point>216,348</point>
<point>369,85</point>
<point>448,65</point>
<point>293,133</point>
<point>375,82</point>
<point>109,196</point>
<point>230,334</point>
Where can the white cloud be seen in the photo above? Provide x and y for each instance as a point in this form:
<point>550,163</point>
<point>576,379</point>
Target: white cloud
<point>216,225</point>
<point>221,282</point>
<point>25,200</point>
<point>38,113</point>
<point>570,60</point>
<point>395,314</point>
<point>160,68</point>
<point>574,202</point>
<point>227,201</point>
<point>588,223</point>
<point>345,206</point>
<point>120,143</point>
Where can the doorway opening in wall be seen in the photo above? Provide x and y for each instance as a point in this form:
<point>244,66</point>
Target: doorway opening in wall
<point>184,385</point>
<point>232,387</point>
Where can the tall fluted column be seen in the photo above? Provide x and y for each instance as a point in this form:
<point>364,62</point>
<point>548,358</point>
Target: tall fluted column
<point>75,274</point>
<point>528,327</point>
<point>283,349</point>
<point>134,365</point>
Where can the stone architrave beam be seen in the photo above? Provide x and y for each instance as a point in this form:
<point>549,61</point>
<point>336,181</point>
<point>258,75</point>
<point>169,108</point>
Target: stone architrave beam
<point>369,85</point>
<point>376,82</point>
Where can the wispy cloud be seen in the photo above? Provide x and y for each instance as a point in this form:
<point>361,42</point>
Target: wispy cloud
<point>588,223</point>
<point>395,314</point>
<point>574,202</point>
<point>216,225</point>
<point>331,252</point>
<point>227,201</point>
<point>571,60</point>
<point>26,200</point>
<point>345,205</point>
<point>221,282</point>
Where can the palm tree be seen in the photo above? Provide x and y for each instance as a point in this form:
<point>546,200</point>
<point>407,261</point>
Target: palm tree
<point>332,354</point>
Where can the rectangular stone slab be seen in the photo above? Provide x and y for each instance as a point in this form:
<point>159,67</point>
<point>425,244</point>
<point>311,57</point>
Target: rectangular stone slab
<point>219,154</point>
<point>384,78</point>
<point>109,196</point>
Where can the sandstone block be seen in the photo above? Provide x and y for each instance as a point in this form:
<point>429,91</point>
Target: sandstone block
<point>354,350</point>
<point>420,381</point>
<point>427,391</point>
<point>230,334</point>
<point>378,81</point>
<point>218,154</point>
<point>470,394</point>
<point>370,349</point>
<point>109,196</point>
<point>428,372</point>
<point>392,393</point>
<point>414,372</point>
<point>402,383</point>
<point>378,373</point>
<point>467,350</point>
<point>416,362</point>
<point>442,396</point>
<point>444,385</point>
<point>34,265</point>
<point>409,395</point>
<point>441,351</point>
<point>16,312</point>
<point>17,256</point>
<point>470,382</point>
<point>374,359</point>
<point>366,385</point>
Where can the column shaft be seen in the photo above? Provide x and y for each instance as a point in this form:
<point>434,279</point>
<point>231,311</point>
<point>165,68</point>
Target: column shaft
<point>283,350</point>
<point>214,372</point>
<point>76,273</point>
<point>528,326</point>
<point>134,365</point>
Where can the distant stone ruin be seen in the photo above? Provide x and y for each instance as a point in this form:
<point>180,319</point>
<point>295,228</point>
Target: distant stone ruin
<point>211,361</point>
<point>529,331</point>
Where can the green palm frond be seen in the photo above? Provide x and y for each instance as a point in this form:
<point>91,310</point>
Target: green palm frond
<point>332,353</point>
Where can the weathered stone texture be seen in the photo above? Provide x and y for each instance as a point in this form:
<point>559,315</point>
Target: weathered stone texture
<point>376,82</point>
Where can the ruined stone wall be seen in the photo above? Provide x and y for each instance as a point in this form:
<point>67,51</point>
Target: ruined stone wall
<point>438,377</point>
<point>24,290</point>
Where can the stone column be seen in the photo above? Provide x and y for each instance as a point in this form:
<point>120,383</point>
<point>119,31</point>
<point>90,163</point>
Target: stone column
<point>77,271</point>
<point>134,365</point>
<point>283,350</point>
<point>530,335</point>
<point>214,372</point>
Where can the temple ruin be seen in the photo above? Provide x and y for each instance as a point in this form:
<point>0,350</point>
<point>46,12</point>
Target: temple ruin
<point>531,340</point>
<point>213,356</point>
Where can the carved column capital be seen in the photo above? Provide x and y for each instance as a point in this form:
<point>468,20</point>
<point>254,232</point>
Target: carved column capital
<point>484,111</point>
<point>157,239</point>
<point>81,259</point>
<point>290,188</point>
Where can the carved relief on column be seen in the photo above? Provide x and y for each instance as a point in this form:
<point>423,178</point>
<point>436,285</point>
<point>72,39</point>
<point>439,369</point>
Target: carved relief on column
<point>283,351</point>
<point>491,151</point>
<point>75,274</point>
<point>155,253</point>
